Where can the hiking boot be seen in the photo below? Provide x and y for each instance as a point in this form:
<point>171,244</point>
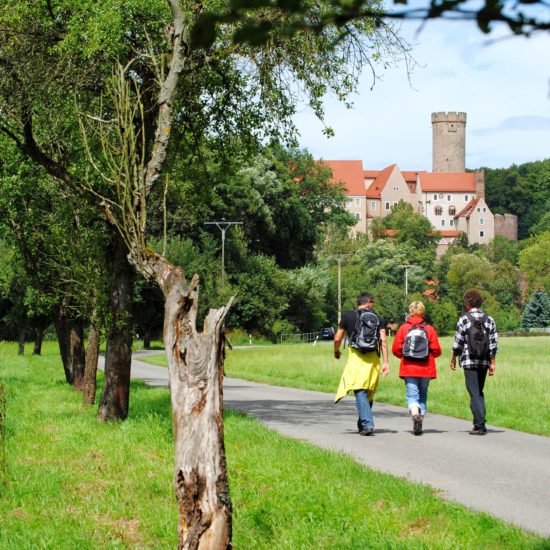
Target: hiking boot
<point>417,424</point>
<point>478,431</point>
<point>366,431</point>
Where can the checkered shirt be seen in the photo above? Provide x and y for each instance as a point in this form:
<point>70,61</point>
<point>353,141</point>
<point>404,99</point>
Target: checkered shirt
<point>460,345</point>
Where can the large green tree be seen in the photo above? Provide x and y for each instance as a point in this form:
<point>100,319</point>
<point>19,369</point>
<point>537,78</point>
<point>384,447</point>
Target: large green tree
<point>163,83</point>
<point>534,261</point>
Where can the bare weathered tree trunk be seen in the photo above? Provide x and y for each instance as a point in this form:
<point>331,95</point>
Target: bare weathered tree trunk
<point>195,361</point>
<point>115,396</point>
<point>21,341</point>
<point>90,371</point>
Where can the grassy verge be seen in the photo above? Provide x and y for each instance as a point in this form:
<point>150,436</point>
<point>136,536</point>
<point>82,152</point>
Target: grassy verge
<point>74,483</point>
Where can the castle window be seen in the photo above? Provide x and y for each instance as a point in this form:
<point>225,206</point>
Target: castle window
<point>357,202</point>
<point>482,233</point>
<point>438,210</point>
<point>484,209</point>
<point>478,209</point>
<point>372,205</point>
<point>435,196</point>
<point>348,203</point>
<point>481,221</point>
<point>442,223</point>
<point>387,205</point>
<point>449,198</point>
<point>451,223</point>
<point>357,216</point>
<point>466,198</point>
<point>452,210</point>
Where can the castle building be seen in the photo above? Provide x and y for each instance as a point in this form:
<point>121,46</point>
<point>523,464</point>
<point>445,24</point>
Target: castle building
<point>452,199</point>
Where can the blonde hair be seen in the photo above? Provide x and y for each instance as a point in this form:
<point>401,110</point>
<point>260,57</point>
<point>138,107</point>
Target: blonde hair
<point>417,308</point>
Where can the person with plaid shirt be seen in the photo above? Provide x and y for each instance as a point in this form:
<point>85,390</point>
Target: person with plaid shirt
<point>475,369</point>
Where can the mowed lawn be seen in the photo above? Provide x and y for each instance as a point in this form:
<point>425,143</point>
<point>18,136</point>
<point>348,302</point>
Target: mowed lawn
<point>517,397</point>
<point>70,482</point>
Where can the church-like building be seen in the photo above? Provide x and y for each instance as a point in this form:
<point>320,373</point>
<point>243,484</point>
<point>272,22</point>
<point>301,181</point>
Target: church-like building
<point>451,198</point>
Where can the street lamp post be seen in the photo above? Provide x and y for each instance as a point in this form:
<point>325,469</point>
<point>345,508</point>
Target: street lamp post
<point>223,226</point>
<point>407,267</point>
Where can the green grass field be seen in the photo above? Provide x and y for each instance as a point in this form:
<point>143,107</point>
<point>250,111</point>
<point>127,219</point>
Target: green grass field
<point>70,482</point>
<point>517,397</point>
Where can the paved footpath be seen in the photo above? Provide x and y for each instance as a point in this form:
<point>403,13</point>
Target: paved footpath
<point>504,473</point>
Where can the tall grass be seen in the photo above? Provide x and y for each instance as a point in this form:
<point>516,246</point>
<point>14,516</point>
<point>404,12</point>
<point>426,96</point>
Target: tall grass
<point>73,483</point>
<point>518,396</point>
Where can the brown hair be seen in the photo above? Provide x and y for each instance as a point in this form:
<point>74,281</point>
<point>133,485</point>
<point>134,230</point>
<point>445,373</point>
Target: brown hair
<point>473,298</point>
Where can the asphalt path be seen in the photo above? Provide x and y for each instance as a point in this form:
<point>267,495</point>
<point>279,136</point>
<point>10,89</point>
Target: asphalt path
<point>505,473</point>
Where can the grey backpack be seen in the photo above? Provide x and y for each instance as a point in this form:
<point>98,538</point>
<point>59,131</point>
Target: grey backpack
<point>365,336</point>
<point>416,345</point>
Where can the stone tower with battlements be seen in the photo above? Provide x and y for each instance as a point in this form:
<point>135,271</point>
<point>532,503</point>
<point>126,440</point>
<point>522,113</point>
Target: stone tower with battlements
<point>449,142</point>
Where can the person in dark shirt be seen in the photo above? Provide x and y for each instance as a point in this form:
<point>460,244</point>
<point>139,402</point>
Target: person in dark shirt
<point>362,370</point>
<point>475,368</point>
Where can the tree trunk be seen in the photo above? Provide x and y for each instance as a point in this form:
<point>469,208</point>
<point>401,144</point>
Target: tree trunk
<point>21,341</point>
<point>38,337</point>
<point>195,363</point>
<point>70,335</point>
<point>147,340</point>
<point>115,396</point>
<point>90,370</point>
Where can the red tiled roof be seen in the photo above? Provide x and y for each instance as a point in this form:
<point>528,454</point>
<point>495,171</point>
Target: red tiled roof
<point>468,209</point>
<point>350,172</point>
<point>451,182</point>
<point>410,176</point>
<point>369,174</point>
<point>377,186</point>
<point>391,232</point>
<point>449,233</point>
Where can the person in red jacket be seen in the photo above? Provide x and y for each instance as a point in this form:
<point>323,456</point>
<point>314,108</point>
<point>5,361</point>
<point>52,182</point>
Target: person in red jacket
<point>416,372</point>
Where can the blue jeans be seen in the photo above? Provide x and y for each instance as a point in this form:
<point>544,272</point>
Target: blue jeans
<point>364,409</point>
<point>417,392</point>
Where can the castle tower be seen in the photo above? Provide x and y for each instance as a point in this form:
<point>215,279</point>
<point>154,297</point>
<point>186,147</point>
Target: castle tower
<point>449,142</point>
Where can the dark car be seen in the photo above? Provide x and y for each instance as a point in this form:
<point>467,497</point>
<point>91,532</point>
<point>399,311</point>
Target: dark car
<point>327,333</point>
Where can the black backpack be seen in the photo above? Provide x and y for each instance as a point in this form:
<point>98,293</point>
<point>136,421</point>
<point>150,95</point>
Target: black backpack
<point>365,336</point>
<point>477,337</point>
<point>416,345</point>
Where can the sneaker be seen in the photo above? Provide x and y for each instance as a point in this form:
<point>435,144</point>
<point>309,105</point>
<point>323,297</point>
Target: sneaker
<point>366,431</point>
<point>478,431</point>
<point>417,424</point>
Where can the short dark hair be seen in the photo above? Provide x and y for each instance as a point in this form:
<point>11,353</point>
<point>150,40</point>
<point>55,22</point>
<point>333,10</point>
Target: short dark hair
<point>364,297</point>
<point>473,298</point>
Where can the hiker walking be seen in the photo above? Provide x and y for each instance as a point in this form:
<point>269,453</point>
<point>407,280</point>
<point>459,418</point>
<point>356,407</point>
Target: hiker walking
<point>476,343</point>
<point>367,337</point>
<point>417,345</point>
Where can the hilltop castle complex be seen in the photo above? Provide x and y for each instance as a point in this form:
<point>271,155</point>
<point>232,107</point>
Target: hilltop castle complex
<point>451,198</point>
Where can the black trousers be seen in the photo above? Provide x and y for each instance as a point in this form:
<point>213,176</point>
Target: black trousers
<point>475,382</point>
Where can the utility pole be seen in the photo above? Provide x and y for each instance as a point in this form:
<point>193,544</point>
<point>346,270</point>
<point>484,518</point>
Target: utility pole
<point>407,267</point>
<point>339,260</point>
<point>223,226</point>
<point>339,288</point>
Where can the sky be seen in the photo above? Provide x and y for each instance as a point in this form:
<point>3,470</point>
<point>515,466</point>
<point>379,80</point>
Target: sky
<point>503,87</point>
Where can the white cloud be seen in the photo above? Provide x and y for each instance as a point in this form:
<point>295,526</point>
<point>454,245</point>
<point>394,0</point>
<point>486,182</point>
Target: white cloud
<point>503,87</point>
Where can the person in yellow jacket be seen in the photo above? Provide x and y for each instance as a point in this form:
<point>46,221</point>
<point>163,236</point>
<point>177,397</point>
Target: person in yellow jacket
<point>367,335</point>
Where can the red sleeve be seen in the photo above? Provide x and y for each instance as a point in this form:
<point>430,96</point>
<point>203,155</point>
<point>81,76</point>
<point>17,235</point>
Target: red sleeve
<point>397,347</point>
<point>435,347</point>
